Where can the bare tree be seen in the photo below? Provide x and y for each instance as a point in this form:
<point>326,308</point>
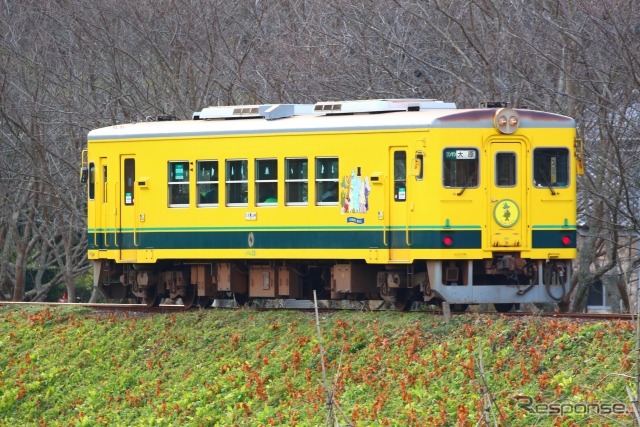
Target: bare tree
<point>69,66</point>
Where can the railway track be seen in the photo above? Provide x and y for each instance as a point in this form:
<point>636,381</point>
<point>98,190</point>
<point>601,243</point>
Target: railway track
<point>107,307</point>
<point>177,308</point>
<point>580,316</point>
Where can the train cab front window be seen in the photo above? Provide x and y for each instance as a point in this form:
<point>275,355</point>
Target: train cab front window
<point>505,169</point>
<point>178,184</point>
<point>326,181</point>
<point>460,167</point>
<point>207,182</point>
<point>550,167</point>
<point>237,182</point>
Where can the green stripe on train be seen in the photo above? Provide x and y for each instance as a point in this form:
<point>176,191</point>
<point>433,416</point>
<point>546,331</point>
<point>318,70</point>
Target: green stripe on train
<point>272,239</point>
<point>261,238</point>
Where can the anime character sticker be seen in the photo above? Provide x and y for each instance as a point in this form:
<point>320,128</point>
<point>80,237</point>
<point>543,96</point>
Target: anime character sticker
<point>355,190</point>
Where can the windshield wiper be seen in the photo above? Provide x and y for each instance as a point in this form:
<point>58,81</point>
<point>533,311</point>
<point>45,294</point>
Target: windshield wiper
<point>546,182</point>
<point>466,184</point>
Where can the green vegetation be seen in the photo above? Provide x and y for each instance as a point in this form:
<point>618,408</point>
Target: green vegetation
<point>70,367</point>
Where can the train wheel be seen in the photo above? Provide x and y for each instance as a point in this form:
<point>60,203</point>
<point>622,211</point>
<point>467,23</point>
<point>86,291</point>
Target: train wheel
<point>151,297</point>
<point>189,297</point>
<point>458,308</point>
<point>403,301</point>
<point>241,299</point>
<point>205,302</point>
<point>504,307</point>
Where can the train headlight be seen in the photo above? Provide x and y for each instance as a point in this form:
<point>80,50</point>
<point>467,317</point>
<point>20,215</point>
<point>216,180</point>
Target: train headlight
<point>566,240</point>
<point>447,240</point>
<point>506,120</point>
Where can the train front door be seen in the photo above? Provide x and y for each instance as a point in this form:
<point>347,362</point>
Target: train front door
<point>507,191</point>
<point>397,231</point>
<point>126,238</point>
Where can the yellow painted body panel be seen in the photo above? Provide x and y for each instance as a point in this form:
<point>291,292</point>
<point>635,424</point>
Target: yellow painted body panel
<point>428,205</point>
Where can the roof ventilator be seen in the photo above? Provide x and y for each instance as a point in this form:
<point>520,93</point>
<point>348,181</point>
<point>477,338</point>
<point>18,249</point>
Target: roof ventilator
<point>494,104</point>
<point>161,118</point>
<point>267,111</point>
<point>379,106</point>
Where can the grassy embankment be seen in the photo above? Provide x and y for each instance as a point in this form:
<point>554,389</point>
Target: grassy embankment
<point>66,367</point>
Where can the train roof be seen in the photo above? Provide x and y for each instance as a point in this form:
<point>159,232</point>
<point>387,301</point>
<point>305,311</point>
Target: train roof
<point>344,116</point>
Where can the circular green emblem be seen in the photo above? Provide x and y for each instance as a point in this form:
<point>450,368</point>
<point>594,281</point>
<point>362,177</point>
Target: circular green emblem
<point>506,213</point>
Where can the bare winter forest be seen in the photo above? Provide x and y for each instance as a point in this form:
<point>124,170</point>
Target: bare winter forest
<point>68,66</point>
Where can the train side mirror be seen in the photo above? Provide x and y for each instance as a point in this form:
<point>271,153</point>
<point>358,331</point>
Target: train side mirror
<point>84,174</point>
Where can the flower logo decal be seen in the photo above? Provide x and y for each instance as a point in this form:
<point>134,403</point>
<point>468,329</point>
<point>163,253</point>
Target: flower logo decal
<point>506,213</point>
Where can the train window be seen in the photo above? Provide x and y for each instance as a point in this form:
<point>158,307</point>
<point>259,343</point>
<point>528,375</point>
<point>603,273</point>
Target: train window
<point>92,181</point>
<point>104,184</point>
<point>296,181</point>
<point>207,182</point>
<point>460,167</point>
<point>551,167</point>
<point>237,183</point>
<point>178,184</point>
<point>267,181</point>
<point>129,180</point>
<point>326,180</point>
<point>418,166</point>
<point>400,176</point>
<point>505,169</point>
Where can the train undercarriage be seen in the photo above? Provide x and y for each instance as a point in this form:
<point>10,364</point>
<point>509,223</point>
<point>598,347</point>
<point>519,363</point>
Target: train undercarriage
<point>505,280</point>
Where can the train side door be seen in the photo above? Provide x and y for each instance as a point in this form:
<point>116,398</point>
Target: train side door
<point>126,237</point>
<point>104,214</point>
<point>507,186</point>
<point>398,235</point>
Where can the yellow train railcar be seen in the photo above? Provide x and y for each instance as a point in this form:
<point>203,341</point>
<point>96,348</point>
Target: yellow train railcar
<point>401,199</point>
